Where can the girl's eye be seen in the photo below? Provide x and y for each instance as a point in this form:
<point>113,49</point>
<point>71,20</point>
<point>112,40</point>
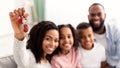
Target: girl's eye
<point>69,36</point>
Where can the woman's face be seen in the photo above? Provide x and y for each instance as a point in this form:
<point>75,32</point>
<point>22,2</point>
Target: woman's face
<point>50,41</point>
<point>66,39</point>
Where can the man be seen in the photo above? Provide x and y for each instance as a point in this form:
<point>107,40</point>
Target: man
<point>105,33</point>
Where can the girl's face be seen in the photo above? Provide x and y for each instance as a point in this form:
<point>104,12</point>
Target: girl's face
<point>50,41</point>
<point>66,39</point>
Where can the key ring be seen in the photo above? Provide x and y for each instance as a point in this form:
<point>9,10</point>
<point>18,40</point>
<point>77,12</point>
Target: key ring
<point>23,22</point>
<point>25,25</point>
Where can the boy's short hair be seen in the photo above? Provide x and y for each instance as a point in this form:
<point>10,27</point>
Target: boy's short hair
<point>83,25</point>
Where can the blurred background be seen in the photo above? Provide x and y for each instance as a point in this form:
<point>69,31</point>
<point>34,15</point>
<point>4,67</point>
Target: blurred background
<point>58,11</point>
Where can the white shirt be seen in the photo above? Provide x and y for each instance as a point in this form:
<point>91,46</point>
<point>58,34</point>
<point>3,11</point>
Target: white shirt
<point>24,58</point>
<point>101,39</point>
<point>92,58</point>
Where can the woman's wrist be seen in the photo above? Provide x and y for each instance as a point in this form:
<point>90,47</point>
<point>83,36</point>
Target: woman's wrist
<point>19,36</point>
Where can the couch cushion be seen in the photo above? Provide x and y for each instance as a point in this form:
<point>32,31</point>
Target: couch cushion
<point>7,62</point>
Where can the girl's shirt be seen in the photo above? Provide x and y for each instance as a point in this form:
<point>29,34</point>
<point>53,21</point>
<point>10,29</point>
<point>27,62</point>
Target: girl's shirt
<point>24,58</point>
<point>70,60</point>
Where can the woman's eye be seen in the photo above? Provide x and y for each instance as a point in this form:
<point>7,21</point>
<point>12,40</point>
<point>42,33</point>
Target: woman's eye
<point>47,39</point>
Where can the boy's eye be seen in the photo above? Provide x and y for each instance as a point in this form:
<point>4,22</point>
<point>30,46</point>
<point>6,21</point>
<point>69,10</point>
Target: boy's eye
<point>81,37</point>
<point>89,35</point>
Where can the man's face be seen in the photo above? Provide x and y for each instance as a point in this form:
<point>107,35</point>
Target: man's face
<point>96,17</point>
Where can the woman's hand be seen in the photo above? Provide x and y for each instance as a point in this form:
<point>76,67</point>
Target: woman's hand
<point>16,18</point>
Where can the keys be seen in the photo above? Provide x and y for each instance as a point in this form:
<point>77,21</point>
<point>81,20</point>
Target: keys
<point>23,22</point>
<point>20,20</point>
<point>25,28</point>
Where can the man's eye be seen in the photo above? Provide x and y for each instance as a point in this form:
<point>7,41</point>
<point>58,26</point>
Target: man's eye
<point>92,14</point>
<point>99,14</point>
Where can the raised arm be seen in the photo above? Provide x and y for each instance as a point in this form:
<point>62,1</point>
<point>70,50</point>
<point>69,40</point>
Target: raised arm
<point>16,18</point>
<point>21,54</point>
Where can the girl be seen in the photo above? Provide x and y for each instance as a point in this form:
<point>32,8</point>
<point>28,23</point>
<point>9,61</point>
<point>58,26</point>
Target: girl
<point>66,55</point>
<point>43,40</point>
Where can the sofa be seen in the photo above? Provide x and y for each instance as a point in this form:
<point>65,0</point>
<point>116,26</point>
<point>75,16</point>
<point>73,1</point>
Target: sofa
<point>7,62</point>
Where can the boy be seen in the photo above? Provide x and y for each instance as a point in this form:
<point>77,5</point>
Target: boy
<point>92,54</point>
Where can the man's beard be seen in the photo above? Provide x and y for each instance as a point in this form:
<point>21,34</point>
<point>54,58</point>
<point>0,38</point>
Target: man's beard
<point>95,29</point>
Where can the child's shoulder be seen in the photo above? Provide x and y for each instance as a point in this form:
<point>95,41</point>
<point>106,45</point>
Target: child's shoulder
<point>98,45</point>
<point>57,56</point>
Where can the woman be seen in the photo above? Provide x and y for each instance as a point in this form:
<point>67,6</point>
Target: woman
<point>43,40</point>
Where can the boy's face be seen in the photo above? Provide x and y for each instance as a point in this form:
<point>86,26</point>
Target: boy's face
<point>86,38</point>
